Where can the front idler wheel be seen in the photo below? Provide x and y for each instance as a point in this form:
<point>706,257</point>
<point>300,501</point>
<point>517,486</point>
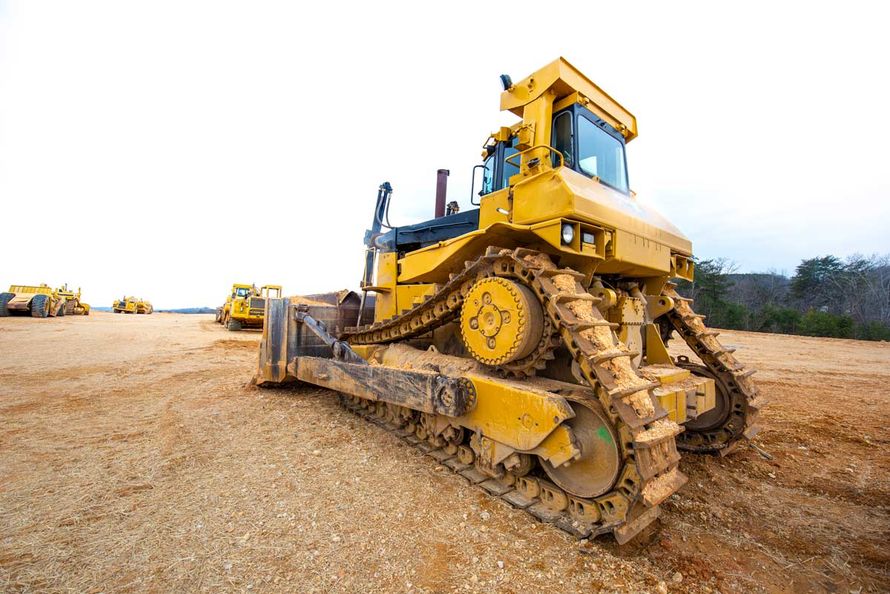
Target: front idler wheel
<point>596,471</point>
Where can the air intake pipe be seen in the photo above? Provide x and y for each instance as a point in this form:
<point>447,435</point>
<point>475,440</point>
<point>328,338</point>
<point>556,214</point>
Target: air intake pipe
<point>441,191</point>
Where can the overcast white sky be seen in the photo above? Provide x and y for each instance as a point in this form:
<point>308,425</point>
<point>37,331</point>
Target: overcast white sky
<point>170,148</point>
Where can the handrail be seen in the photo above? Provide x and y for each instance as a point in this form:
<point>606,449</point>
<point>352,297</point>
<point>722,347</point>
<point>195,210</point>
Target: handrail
<point>536,147</point>
<point>473,182</point>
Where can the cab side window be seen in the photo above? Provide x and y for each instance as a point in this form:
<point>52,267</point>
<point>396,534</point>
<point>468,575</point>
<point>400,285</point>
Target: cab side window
<point>509,168</point>
<point>488,176</point>
<point>563,139</point>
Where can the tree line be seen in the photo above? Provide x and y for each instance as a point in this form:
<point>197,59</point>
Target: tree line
<point>826,296</point>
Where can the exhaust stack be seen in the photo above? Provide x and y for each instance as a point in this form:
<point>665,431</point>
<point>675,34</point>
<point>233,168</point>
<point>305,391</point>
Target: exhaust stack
<point>441,191</point>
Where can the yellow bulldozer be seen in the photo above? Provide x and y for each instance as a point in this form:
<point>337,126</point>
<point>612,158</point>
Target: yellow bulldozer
<point>132,305</point>
<point>73,305</point>
<point>37,301</point>
<point>245,306</point>
<point>523,343</point>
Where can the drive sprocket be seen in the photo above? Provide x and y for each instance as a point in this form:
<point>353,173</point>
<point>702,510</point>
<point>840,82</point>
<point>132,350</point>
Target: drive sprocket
<point>501,321</point>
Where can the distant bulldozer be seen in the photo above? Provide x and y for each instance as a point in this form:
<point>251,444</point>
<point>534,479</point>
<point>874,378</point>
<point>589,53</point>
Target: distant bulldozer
<point>72,303</point>
<point>245,306</point>
<point>37,301</point>
<point>132,305</point>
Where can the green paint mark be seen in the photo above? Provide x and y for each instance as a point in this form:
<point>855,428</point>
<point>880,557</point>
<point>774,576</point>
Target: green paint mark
<point>604,435</point>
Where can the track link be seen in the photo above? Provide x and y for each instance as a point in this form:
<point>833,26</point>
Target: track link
<point>646,436</point>
<point>743,402</point>
<point>541,507</point>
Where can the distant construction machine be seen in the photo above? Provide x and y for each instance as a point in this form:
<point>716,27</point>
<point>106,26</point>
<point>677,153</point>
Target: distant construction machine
<point>73,305</point>
<point>523,343</point>
<point>245,306</point>
<point>38,301</point>
<point>132,305</point>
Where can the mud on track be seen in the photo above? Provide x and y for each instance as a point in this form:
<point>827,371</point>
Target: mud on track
<point>135,455</point>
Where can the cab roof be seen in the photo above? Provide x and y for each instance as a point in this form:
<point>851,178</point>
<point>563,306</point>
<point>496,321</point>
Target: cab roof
<point>569,86</point>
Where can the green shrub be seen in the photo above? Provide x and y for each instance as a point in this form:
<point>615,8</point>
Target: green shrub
<point>822,323</point>
<point>733,316</point>
<point>872,331</point>
<point>780,320</point>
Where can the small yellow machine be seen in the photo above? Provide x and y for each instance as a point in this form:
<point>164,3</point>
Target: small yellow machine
<point>522,343</point>
<point>245,306</point>
<point>144,307</point>
<point>38,301</point>
<point>132,305</point>
<point>125,305</point>
<point>73,304</point>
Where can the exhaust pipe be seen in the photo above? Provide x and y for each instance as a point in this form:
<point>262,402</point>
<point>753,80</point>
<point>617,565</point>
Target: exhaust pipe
<point>441,191</point>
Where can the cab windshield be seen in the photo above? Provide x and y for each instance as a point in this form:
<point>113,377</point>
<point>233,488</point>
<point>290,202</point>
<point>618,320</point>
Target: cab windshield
<point>588,146</point>
<point>601,155</point>
<point>242,292</point>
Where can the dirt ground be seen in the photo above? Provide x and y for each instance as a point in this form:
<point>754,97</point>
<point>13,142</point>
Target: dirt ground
<point>136,456</point>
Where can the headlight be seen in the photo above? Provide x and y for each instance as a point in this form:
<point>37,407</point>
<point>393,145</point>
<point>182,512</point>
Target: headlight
<point>568,233</point>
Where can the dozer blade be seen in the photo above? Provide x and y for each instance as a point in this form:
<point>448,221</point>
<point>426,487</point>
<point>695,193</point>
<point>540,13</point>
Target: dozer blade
<point>297,344</point>
<point>285,337</point>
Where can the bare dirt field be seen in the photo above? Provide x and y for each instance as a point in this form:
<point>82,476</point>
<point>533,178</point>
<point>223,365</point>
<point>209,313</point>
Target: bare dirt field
<point>135,455</point>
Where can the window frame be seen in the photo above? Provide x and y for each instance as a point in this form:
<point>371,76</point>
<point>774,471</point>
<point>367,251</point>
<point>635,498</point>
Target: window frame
<point>578,112</point>
<point>498,177</point>
<point>572,142</point>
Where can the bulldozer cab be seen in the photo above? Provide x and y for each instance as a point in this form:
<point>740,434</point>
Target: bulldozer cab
<point>566,122</point>
<point>242,291</point>
<point>581,141</point>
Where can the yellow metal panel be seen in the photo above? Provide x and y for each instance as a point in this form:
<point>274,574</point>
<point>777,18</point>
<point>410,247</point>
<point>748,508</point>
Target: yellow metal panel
<point>559,447</point>
<point>434,263</point>
<point>537,118</point>
<point>495,208</point>
<point>682,267</point>
<point>656,352</point>
<point>641,251</point>
<point>542,198</point>
<point>681,390</point>
<point>365,351</point>
<point>407,296</point>
<point>519,417</point>
<point>386,303</point>
<point>564,193</point>
<point>705,396</point>
<point>42,289</point>
<point>673,400</point>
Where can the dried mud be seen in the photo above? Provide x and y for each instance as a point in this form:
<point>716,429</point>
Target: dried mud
<point>135,455</point>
